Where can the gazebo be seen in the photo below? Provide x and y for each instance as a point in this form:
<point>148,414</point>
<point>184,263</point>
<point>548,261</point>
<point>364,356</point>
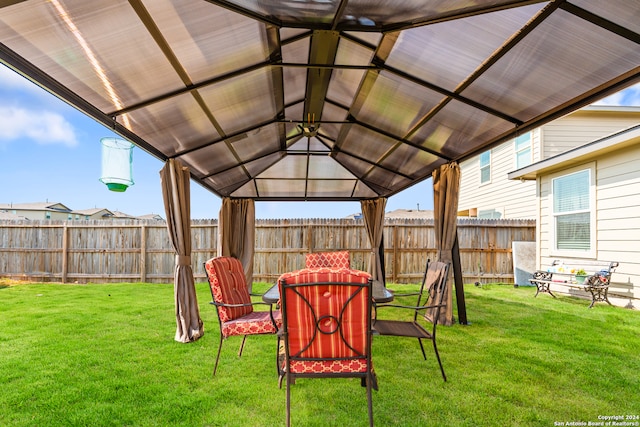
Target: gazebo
<point>325,100</point>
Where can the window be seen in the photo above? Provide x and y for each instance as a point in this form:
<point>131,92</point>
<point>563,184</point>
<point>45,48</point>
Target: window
<point>522,146</point>
<point>489,214</point>
<point>572,212</point>
<point>47,215</point>
<point>485,167</point>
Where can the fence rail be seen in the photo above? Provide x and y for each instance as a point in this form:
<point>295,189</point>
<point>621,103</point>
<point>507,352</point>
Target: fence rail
<point>133,250</point>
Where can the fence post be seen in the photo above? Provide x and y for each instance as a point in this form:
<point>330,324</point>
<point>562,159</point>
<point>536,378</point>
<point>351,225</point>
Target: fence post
<point>143,253</point>
<point>396,256</point>
<point>65,249</point>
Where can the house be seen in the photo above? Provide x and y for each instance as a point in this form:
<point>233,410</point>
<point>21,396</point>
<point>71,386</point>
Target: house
<point>95,213</point>
<point>401,214</point>
<point>122,215</point>
<point>151,216</point>
<point>53,211</point>
<point>38,210</point>
<point>10,217</point>
<point>587,207</point>
<point>410,214</point>
<point>486,191</point>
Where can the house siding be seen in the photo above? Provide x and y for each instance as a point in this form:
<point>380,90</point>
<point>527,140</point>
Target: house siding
<point>517,199</point>
<point>36,215</point>
<point>581,128</point>
<point>514,199</point>
<point>617,207</point>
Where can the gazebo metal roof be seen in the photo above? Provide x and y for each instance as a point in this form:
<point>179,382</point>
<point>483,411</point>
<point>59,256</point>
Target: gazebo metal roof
<point>322,99</point>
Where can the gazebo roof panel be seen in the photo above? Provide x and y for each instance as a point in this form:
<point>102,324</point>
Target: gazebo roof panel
<point>388,89</point>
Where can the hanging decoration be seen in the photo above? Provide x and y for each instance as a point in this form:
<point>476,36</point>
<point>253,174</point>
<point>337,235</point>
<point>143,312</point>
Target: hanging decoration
<point>117,164</point>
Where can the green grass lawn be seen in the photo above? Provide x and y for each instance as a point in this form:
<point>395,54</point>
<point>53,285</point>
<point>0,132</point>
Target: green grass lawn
<point>104,355</point>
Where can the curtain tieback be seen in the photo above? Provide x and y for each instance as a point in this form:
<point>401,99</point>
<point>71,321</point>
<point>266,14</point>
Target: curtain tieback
<point>183,260</point>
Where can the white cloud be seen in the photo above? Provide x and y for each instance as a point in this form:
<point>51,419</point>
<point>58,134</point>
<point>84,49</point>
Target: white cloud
<point>626,97</point>
<point>11,80</point>
<point>43,127</point>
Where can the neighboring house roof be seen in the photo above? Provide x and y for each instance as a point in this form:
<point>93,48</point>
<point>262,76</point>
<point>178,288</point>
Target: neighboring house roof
<point>150,216</point>
<point>36,206</point>
<point>119,214</point>
<point>401,213</point>
<point>616,141</point>
<point>94,211</point>
<point>409,213</point>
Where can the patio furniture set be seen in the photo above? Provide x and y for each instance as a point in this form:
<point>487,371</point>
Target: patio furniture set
<point>324,317</point>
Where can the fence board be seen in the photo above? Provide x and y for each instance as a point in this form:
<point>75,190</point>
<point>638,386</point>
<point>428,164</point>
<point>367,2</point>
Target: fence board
<point>132,250</point>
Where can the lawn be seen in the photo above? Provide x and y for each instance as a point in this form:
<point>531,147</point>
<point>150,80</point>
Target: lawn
<point>104,355</point>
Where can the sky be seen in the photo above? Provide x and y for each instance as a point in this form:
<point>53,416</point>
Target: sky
<point>51,152</point>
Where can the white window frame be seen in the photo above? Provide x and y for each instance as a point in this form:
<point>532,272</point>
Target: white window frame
<point>490,214</point>
<point>522,149</point>
<point>487,166</point>
<point>592,251</point>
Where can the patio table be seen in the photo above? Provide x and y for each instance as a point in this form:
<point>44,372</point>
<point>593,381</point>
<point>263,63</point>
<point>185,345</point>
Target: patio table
<point>380,294</point>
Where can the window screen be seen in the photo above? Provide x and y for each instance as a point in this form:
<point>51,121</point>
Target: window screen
<point>523,150</point>
<point>571,209</point>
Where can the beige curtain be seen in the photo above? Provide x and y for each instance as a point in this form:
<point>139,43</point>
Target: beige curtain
<point>174,179</point>
<point>373,213</point>
<point>446,183</point>
<point>237,233</point>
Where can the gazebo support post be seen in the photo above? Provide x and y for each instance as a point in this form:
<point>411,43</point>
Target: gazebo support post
<point>457,279</point>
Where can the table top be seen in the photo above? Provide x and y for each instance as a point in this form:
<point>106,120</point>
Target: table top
<point>380,294</point>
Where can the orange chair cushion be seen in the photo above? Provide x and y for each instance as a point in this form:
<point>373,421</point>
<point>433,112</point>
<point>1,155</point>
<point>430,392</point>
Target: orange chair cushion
<point>229,286</point>
<point>338,259</point>
<point>327,303</point>
<point>257,322</point>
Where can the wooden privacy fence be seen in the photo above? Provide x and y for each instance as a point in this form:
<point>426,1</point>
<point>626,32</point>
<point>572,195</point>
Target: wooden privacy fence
<point>133,250</point>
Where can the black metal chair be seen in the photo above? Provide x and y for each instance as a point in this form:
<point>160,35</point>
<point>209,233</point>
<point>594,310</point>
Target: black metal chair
<point>426,311</point>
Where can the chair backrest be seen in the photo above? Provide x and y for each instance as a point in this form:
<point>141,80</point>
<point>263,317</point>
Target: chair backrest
<point>433,290</point>
<point>326,314</point>
<point>337,259</point>
<point>229,286</point>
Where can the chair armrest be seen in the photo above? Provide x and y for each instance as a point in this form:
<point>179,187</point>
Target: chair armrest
<point>406,294</point>
<point>221,304</point>
<point>412,307</point>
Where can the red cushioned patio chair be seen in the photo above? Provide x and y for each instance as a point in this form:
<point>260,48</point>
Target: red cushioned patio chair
<point>326,314</point>
<point>337,259</point>
<point>426,311</point>
<point>233,303</point>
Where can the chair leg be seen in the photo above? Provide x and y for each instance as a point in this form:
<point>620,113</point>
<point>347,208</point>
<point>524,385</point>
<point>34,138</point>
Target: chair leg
<point>244,337</point>
<point>435,348</point>
<point>422,348</point>
<point>288,386</point>
<point>215,368</point>
<point>278,358</point>
<point>369,399</point>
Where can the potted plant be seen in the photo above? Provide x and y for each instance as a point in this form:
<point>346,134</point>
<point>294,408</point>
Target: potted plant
<point>581,275</point>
